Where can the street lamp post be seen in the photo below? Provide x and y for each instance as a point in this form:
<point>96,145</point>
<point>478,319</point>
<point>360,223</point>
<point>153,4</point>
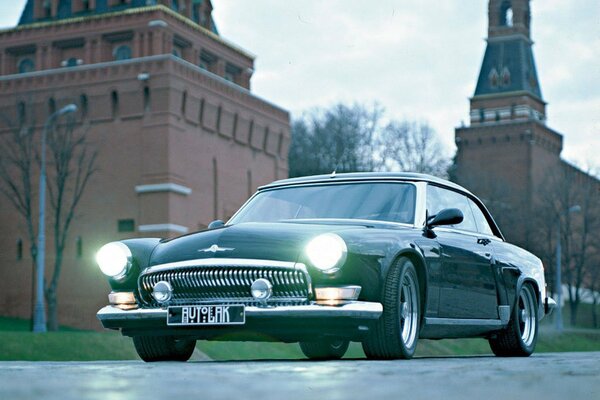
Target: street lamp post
<point>39,314</point>
<point>559,321</point>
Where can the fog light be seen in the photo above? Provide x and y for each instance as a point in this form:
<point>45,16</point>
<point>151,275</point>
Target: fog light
<point>162,292</point>
<point>335,294</point>
<point>261,289</point>
<point>123,300</point>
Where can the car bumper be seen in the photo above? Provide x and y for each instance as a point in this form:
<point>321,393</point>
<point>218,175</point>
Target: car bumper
<point>282,322</point>
<point>549,305</point>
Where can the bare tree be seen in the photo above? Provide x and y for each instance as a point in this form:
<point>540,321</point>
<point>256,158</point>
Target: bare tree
<point>341,138</point>
<point>354,138</point>
<point>413,147</point>
<point>17,162</point>
<point>567,186</point>
<point>72,162</point>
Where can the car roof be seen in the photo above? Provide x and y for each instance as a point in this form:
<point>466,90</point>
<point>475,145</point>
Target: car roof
<point>365,176</point>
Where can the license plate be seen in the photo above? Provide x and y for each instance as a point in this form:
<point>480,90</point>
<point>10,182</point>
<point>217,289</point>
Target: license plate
<point>206,315</point>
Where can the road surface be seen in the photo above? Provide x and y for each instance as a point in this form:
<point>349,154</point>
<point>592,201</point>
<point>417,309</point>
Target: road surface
<point>542,376</point>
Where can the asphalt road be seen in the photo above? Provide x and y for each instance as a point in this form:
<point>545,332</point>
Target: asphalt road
<point>542,376</point>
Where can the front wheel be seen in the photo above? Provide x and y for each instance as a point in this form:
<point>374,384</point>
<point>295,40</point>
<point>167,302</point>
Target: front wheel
<point>397,331</point>
<point>325,349</point>
<point>163,348</point>
<point>520,336</point>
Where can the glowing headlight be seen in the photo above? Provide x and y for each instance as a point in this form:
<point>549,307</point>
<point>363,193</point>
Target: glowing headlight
<point>114,259</point>
<point>327,252</point>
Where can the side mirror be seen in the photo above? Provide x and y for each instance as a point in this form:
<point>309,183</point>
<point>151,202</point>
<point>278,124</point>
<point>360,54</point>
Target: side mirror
<point>448,216</point>
<point>216,224</point>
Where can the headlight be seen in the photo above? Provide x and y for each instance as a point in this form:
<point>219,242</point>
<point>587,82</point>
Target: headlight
<point>114,259</point>
<point>327,252</point>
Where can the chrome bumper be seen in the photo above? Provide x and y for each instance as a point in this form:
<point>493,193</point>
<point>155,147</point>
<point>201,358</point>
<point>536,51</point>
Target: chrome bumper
<point>113,317</point>
<point>549,305</point>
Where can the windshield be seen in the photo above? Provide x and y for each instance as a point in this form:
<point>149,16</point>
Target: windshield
<point>394,202</point>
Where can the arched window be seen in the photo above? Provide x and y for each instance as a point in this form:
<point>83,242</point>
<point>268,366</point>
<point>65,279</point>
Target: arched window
<point>122,52</point>
<point>506,14</point>
<point>26,65</point>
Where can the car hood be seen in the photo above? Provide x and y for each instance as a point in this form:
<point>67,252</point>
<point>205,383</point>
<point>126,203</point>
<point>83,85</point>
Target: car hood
<point>281,241</point>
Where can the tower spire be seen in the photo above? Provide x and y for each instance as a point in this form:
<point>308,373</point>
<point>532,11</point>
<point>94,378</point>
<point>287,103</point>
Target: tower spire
<point>508,78</point>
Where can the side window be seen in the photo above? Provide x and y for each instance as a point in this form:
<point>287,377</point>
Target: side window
<point>439,198</point>
<point>482,224</point>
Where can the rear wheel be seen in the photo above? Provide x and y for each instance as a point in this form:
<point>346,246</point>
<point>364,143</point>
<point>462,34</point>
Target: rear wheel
<point>325,349</point>
<point>163,348</point>
<point>397,331</point>
<point>520,337</point>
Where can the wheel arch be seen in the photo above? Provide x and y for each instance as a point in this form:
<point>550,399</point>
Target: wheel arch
<point>523,280</point>
<point>419,262</point>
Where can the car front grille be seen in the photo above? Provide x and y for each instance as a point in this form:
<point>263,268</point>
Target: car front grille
<point>197,284</point>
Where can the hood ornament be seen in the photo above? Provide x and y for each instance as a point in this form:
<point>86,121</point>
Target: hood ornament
<point>215,248</point>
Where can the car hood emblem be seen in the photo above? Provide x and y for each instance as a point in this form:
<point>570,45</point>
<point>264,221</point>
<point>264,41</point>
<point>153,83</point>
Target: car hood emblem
<point>215,247</point>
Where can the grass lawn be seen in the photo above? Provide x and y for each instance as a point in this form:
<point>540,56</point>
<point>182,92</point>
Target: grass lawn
<point>17,343</point>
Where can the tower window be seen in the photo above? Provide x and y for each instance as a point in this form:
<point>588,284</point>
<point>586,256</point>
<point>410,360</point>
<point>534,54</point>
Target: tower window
<point>83,101</point>
<point>47,8</point>
<point>207,60</point>
<point>175,5</point>
<point>196,13</point>
<point>183,102</point>
<point>505,76</point>
<point>51,105</point>
<point>122,52</point>
<point>506,14</point>
<point>25,65</point>
<point>21,112</point>
<point>146,98</point>
<point>114,99</point>
<point>493,77</point>
<point>126,225</point>
<point>482,115</point>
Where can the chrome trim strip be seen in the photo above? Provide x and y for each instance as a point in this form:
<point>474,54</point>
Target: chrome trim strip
<point>464,322</point>
<point>226,262</point>
<point>353,309</point>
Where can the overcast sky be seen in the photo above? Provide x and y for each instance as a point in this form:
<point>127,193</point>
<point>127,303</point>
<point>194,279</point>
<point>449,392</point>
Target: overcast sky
<point>419,59</point>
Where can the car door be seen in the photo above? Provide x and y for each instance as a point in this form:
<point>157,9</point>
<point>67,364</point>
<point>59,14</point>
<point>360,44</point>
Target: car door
<point>467,285</point>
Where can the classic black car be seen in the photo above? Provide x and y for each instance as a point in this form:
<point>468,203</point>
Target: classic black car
<point>379,258</point>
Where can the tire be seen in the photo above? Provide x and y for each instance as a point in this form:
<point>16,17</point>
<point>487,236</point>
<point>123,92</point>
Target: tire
<point>520,336</point>
<point>397,330</point>
<point>325,349</point>
<point>163,348</point>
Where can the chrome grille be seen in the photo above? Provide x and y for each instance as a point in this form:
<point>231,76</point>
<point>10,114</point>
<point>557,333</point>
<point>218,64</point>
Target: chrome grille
<point>196,284</point>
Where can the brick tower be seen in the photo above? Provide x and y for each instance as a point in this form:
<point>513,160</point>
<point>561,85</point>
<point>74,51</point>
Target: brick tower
<point>505,152</point>
<point>166,100</point>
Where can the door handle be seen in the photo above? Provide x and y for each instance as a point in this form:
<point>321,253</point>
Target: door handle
<point>484,241</point>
